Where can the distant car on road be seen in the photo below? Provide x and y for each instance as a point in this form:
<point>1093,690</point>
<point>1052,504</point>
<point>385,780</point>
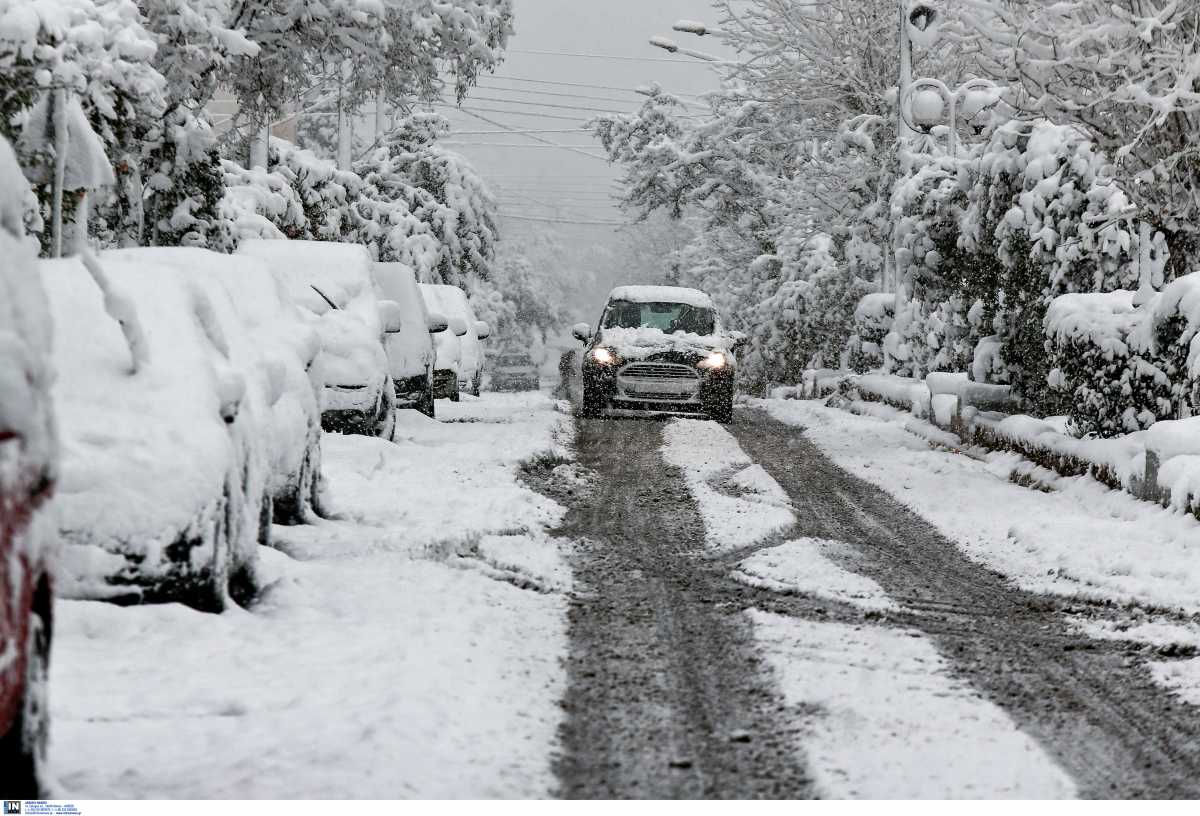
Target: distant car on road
<point>514,371</point>
<point>659,348</point>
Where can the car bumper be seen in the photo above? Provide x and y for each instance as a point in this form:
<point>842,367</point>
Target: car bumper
<point>410,390</point>
<point>659,386</point>
<point>513,383</point>
<point>445,383</point>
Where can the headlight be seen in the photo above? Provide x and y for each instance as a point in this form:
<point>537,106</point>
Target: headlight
<point>603,356</point>
<point>714,361</point>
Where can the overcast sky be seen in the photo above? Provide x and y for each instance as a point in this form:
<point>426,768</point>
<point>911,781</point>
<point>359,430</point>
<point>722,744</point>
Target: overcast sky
<point>544,181</point>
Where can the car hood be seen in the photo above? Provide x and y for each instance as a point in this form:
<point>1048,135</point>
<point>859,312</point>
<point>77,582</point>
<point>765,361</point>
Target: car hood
<point>641,344</point>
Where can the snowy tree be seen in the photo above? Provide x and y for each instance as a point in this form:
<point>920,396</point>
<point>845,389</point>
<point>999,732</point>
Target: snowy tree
<point>100,52</point>
<point>184,180</point>
<point>356,50</point>
<point>441,189</point>
<point>1125,73</point>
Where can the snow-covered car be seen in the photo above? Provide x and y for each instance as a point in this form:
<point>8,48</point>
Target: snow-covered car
<point>410,352</point>
<point>274,345</point>
<point>452,302</point>
<point>28,470</point>
<point>334,283</point>
<point>514,371</point>
<point>659,348</point>
<point>163,489</point>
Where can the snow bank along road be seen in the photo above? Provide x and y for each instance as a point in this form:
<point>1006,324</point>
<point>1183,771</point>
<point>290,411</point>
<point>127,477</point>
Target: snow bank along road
<point>750,619</point>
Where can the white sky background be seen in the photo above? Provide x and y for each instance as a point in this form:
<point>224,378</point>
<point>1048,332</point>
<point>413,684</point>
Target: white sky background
<point>543,181</point>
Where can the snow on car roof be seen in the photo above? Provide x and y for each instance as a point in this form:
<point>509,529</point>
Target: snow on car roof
<point>662,294</point>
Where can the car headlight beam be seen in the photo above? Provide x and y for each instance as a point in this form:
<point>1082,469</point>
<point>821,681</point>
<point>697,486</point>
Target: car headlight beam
<point>603,356</point>
<point>713,361</point>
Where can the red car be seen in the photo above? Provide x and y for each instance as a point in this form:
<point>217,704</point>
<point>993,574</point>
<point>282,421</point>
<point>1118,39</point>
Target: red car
<point>28,461</point>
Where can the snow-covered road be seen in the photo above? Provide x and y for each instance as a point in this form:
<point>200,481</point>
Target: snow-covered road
<point>391,656</point>
<point>688,609</point>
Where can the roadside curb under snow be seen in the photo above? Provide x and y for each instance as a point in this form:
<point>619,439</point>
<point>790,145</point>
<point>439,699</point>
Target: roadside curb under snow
<point>1149,465</point>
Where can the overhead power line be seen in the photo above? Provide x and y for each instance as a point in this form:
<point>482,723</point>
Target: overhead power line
<point>507,144</point>
<point>469,112</point>
<point>530,136</point>
<point>687,100</point>
<point>507,132</point>
<point>584,55</point>
<point>537,92</point>
<point>549,220</point>
<point>540,104</point>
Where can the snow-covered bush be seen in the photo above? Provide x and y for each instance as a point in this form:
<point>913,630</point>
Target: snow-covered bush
<point>261,204</point>
<point>1112,388</point>
<point>873,317</point>
<point>1168,333</point>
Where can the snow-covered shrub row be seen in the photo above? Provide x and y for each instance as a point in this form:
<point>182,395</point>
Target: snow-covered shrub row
<point>988,240</point>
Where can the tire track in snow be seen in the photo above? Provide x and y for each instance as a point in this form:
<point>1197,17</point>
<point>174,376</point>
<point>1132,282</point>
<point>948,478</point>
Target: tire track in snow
<point>881,714</point>
<point>1093,707</point>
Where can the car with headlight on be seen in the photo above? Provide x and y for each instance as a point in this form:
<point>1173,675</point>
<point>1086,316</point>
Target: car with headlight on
<point>659,348</point>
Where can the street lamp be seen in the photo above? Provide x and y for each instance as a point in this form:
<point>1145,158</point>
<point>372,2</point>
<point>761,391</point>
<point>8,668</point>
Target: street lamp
<point>924,104</point>
<point>669,45</point>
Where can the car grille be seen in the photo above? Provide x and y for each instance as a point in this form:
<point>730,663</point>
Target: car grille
<point>659,371</point>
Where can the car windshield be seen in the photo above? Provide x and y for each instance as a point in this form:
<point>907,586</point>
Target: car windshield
<point>667,317</point>
<point>513,360</point>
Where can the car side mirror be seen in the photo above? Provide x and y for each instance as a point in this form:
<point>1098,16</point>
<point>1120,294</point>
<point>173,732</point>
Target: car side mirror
<point>582,332</point>
<point>458,326</point>
<point>390,316</point>
<point>436,322</point>
<point>482,330</point>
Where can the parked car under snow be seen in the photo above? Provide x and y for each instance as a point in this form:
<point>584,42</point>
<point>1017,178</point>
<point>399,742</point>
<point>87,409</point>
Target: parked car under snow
<point>28,469</point>
<point>275,346</point>
<point>334,283</point>
<point>411,352</point>
<point>659,348</point>
<point>163,488</point>
<point>514,371</point>
<point>452,302</point>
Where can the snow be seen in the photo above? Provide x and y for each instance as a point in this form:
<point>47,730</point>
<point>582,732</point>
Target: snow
<point>410,350</point>
<point>889,721</point>
<point>642,342</point>
<point>662,294</point>
<point>125,432</point>
<point>389,662</point>
<point>452,303</point>
<point>740,503</point>
<point>808,566</point>
<point>1083,540</point>
<point>274,346</point>
<point>1101,319</point>
<point>1180,676</point>
<point>352,334</point>
<point>25,329</point>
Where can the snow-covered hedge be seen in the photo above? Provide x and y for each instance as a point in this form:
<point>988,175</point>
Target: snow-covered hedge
<point>1113,389</point>
<point>873,317</point>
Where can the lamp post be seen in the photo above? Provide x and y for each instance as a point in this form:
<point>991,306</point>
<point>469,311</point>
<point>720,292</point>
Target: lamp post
<point>924,104</point>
